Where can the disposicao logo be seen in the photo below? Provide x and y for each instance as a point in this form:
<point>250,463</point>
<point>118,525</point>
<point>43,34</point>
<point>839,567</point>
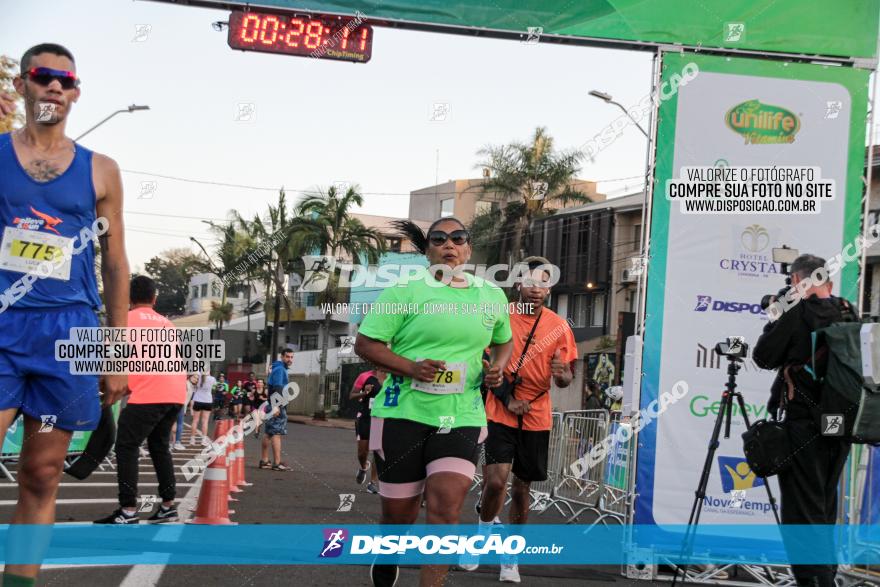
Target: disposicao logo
<point>763,124</point>
<point>703,303</point>
<point>334,542</point>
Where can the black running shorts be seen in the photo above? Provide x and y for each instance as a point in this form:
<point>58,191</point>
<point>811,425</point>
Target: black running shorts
<point>526,449</point>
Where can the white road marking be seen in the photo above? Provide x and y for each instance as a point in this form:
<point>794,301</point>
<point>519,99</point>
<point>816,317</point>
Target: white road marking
<point>149,575</point>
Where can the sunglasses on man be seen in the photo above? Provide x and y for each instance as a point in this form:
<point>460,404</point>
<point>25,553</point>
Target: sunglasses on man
<point>46,75</point>
<point>439,237</point>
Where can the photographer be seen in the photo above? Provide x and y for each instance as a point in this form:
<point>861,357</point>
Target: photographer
<point>809,483</point>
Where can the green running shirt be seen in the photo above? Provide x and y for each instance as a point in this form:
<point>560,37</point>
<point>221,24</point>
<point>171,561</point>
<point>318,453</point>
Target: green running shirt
<point>444,324</point>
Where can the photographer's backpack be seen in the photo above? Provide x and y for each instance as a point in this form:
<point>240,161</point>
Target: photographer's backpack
<point>849,406</point>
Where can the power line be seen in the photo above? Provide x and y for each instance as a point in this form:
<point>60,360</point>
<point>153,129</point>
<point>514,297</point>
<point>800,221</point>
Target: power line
<point>176,216</point>
<point>310,191</point>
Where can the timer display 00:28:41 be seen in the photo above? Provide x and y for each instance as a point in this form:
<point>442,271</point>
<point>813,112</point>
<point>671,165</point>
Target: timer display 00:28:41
<point>319,36</point>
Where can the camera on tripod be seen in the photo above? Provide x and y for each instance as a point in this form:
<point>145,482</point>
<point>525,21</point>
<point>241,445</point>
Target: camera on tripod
<point>785,256</point>
<point>734,347</point>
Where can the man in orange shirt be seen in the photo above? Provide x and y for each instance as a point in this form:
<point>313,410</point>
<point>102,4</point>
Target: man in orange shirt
<point>150,413</point>
<point>519,432</point>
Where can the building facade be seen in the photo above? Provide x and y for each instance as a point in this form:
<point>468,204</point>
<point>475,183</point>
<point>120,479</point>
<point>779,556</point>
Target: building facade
<point>465,198</point>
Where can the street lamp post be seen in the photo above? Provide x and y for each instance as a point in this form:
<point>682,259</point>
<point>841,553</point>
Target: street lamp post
<point>132,108</point>
<point>607,98</point>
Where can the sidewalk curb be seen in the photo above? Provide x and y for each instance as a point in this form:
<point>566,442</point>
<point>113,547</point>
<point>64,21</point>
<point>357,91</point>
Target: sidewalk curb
<point>328,423</point>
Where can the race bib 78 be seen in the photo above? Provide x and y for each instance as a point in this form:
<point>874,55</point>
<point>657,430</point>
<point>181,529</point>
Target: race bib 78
<point>449,381</point>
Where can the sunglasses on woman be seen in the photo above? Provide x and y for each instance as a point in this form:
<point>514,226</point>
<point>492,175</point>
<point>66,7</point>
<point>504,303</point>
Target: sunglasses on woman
<point>46,75</point>
<point>439,237</point>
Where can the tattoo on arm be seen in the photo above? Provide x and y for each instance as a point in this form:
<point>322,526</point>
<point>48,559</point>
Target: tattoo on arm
<point>43,170</point>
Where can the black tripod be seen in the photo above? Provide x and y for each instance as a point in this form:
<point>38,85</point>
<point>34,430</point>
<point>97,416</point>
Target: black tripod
<point>725,414</point>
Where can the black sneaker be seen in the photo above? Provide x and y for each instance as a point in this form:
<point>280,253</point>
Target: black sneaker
<point>384,575</point>
<point>362,475</point>
<point>163,515</point>
<point>119,517</point>
<point>372,488</point>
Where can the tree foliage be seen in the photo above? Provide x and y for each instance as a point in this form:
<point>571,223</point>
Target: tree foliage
<point>8,70</point>
<point>172,270</point>
<point>538,176</point>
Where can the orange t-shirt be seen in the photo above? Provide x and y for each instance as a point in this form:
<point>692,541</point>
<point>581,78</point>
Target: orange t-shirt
<point>149,388</point>
<point>553,333</point>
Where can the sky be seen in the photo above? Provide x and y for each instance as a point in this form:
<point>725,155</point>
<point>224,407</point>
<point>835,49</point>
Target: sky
<point>315,122</point>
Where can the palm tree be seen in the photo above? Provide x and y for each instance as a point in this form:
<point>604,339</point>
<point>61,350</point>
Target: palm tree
<point>328,222</point>
<point>280,238</point>
<point>220,313</point>
<point>228,254</point>
<point>539,175</point>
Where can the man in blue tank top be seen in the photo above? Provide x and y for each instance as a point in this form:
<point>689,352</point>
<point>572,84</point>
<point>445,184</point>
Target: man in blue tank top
<point>57,199</point>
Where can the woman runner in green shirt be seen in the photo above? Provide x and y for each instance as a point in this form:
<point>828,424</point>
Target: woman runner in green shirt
<point>429,332</point>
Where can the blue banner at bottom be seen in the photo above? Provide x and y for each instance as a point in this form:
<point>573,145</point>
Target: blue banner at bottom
<point>418,544</point>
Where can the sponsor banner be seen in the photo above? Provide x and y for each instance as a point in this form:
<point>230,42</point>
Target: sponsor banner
<point>15,435</point>
<point>847,28</point>
<point>419,544</point>
<point>744,118</point>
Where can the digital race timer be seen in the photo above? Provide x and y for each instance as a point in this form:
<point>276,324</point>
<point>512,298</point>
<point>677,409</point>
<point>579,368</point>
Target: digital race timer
<point>319,36</point>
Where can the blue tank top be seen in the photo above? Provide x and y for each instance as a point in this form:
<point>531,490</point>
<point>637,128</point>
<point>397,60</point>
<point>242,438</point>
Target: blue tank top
<point>63,208</point>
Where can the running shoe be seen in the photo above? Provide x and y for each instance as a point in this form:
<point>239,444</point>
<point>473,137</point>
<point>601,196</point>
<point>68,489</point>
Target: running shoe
<point>509,573</point>
<point>119,517</point>
<point>163,515</point>
<point>466,566</point>
<point>371,488</point>
<point>281,467</point>
<point>206,442</point>
<point>384,575</point>
<point>179,446</point>
<point>471,562</point>
<point>362,474</point>
<point>265,465</point>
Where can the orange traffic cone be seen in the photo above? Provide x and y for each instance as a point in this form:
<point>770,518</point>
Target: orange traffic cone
<point>239,463</point>
<point>213,507</point>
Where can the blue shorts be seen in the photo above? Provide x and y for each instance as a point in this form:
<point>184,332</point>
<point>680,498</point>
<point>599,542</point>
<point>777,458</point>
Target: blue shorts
<point>277,425</point>
<point>30,377</point>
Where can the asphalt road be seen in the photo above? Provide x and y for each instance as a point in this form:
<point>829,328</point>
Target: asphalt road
<point>324,465</point>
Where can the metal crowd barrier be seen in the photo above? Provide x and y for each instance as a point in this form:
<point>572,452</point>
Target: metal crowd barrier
<point>580,431</point>
<point>860,486</point>
<point>543,498</point>
<point>597,494</point>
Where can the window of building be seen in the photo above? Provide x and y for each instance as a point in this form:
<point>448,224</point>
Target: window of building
<point>446,207</point>
<point>578,306</point>
<point>308,342</point>
<point>204,290</point>
<point>394,245</point>
<point>636,236</point>
<point>598,310</point>
<point>195,291</point>
<point>481,207</point>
